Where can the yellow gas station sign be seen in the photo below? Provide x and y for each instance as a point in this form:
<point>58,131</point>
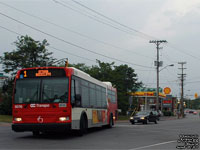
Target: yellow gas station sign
<point>167,90</point>
<point>196,95</point>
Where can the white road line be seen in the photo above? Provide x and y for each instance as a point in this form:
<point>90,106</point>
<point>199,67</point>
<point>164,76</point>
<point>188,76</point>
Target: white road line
<point>153,145</point>
<point>130,126</point>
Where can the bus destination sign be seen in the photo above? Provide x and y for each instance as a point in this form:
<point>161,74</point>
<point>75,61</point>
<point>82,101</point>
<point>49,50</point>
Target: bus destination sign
<point>35,73</point>
<point>43,73</point>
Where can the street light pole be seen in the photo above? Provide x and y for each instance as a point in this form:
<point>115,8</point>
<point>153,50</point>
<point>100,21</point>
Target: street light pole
<point>158,64</point>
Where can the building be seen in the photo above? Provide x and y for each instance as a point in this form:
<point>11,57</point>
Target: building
<point>146,98</point>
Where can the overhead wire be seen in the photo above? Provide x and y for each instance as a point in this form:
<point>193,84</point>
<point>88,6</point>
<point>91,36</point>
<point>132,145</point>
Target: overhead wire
<point>72,44</point>
<point>169,44</point>
<point>123,25</point>
<point>149,74</point>
<point>50,46</point>
<point>176,48</point>
<point>61,49</point>
<point>181,51</point>
<point>74,32</point>
<point>100,20</point>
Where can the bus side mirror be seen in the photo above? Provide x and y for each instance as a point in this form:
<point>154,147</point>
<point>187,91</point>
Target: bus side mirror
<point>77,100</point>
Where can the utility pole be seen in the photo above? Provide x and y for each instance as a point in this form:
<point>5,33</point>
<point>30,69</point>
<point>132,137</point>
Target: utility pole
<point>182,75</point>
<point>158,64</point>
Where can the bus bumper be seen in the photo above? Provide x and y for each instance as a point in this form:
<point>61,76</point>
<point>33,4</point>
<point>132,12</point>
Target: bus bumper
<point>41,127</point>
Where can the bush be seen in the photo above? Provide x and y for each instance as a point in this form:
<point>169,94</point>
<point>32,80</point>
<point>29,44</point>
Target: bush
<point>6,105</point>
<point>6,97</point>
<point>168,113</point>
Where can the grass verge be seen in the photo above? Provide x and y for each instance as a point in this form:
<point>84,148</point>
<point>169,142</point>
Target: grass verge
<point>123,117</point>
<point>6,118</point>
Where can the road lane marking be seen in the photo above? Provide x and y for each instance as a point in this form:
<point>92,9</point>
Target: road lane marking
<point>126,125</point>
<point>153,145</point>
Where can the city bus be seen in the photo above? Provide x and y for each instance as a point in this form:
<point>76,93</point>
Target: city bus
<point>49,99</point>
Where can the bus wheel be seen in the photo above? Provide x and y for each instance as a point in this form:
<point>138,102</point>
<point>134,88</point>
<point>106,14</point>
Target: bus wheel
<point>83,126</point>
<point>36,133</point>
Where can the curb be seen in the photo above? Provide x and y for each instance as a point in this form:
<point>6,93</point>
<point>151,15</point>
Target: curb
<point>168,118</point>
<point>5,124</point>
<point>119,121</point>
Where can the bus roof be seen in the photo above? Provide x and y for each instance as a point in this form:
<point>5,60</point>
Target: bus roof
<point>78,73</point>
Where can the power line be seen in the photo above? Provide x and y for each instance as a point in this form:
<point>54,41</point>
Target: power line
<point>62,50</point>
<point>51,46</point>
<point>186,53</point>
<point>72,54</point>
<point>132,29</point>
<point>10,30</point>
<point>171,82</point>
<point>72,31</point>
<point>72,44</point>
<point>100,20</point>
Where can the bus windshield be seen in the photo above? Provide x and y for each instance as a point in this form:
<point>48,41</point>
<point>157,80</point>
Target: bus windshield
<point>45,90</point>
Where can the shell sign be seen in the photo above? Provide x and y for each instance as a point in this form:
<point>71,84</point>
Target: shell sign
<point>167,90</point>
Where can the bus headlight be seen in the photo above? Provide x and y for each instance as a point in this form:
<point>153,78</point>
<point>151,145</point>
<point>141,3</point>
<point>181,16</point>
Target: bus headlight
<point>18,119</point>
<point>64,118</point>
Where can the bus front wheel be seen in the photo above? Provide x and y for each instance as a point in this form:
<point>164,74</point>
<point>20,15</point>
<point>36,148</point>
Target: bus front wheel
<point>83,126</point>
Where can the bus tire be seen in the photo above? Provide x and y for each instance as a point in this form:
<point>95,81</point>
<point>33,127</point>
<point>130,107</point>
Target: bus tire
<point>36,133</point>
<point>83,126</point>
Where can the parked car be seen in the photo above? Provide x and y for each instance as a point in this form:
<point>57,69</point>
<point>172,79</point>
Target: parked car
<point>143,117</point>
<point>195,112</point>
<point>191,111</point>
<point>187,111</point>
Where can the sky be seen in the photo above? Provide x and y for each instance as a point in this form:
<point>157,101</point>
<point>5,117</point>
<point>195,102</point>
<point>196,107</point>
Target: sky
<point>113,31</point>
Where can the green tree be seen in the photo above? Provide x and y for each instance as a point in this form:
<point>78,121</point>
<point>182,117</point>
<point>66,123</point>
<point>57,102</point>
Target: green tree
<point>122,77</point>
<point>80,66</point>
<point>125,80</point>
<point>6,97</point>
<point>28,53</point>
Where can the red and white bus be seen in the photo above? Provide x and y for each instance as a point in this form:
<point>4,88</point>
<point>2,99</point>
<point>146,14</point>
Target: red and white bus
<point>61,98</point>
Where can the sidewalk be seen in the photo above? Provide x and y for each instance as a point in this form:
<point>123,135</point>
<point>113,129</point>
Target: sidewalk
<point>168,118</point>
<point>122,121</point>
<point>161,119</point>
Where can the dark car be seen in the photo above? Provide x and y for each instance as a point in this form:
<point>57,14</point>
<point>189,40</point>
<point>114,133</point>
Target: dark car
<point>191,111</point>
<point>143,117</point>
<point>157,114</point>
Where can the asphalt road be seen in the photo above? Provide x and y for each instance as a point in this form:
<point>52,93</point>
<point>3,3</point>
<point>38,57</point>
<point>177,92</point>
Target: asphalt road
<point>163,135</point>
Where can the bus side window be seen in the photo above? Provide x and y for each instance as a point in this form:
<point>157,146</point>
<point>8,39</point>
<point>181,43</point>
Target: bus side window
<point>73,92</point>
<point>78,98</point>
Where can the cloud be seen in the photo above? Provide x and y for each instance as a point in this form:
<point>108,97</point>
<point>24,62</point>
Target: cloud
<point>160,23</point>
